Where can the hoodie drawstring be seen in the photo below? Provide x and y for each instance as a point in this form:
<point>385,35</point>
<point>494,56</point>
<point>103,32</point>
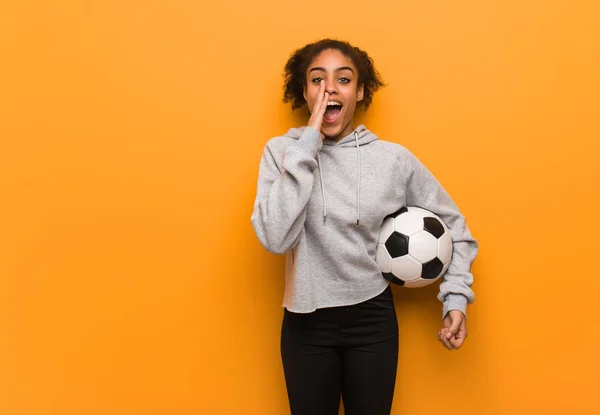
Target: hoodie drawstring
<point>322,187</point>
<point>358,178</point>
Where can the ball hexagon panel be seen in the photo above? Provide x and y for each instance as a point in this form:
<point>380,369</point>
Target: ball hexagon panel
<point>409,223</point>
<point>383,258</point>
<point>445,248</point>
<point>406,268</point>
<point>387,227</point>
<point>422,212</point>
<point>417,283</point>
<point>397,244</point>
<point>423,246</point>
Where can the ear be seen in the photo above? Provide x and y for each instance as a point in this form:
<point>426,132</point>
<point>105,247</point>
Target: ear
<point>360,92</point>
<point>304,92</point>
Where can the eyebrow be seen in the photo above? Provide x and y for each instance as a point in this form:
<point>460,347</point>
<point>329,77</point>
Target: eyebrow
<point>318,68</point>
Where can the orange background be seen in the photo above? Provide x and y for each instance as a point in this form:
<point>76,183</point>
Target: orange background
<point>131,281</point>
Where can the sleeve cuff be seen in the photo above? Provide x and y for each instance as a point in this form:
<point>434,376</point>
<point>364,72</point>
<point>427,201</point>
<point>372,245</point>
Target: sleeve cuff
<point>454,302</point>
<point>310,141</point>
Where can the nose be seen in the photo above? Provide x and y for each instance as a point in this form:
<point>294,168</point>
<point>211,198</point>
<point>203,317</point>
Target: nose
<point>331,87</point>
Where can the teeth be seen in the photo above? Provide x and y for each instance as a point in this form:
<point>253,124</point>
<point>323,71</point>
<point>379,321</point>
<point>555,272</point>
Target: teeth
<point>333,103</point>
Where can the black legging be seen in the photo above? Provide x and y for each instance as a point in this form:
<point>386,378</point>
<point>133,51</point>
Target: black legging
<point>350,351</point>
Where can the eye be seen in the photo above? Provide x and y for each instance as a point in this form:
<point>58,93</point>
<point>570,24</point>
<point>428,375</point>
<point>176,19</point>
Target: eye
<point>344,80</point>
<point>316,80</point>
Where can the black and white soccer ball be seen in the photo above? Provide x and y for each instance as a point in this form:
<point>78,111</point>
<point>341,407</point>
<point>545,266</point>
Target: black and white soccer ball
<point>414,248</point>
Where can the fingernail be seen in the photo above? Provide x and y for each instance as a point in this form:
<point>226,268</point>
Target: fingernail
<point>449,335</point>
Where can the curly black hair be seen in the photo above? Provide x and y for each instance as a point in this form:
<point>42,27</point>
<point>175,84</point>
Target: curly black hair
<point>297,64</point>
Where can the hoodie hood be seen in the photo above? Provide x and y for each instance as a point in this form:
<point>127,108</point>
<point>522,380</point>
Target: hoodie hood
<point>357,138</point>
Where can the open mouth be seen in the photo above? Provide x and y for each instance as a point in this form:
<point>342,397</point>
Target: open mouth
<point>333,111</point>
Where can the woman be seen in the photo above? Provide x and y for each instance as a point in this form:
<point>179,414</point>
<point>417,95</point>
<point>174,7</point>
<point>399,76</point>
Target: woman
<point>323,192</point>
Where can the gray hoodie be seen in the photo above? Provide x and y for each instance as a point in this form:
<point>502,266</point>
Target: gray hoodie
<point>322,203</point>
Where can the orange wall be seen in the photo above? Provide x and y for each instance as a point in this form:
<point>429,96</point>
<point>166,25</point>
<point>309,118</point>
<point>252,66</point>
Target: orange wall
<point>131,281</point>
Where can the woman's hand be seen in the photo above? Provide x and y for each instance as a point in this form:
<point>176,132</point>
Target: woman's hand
<point>454,332</point>
<point>316,116</point>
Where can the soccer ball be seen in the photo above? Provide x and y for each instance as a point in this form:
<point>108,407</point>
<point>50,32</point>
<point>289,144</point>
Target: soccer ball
<point>414,248</point>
